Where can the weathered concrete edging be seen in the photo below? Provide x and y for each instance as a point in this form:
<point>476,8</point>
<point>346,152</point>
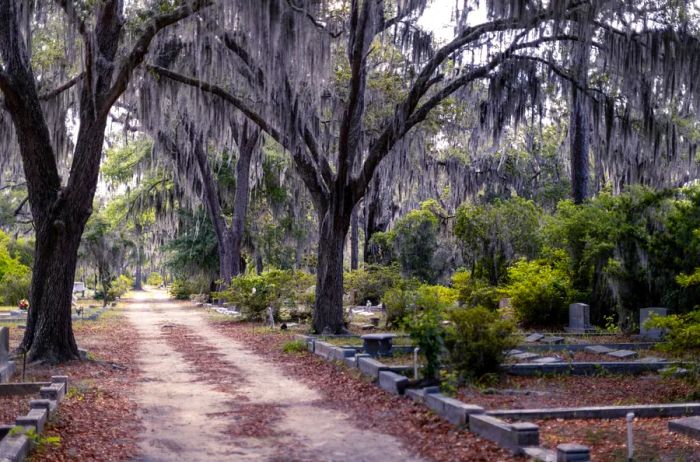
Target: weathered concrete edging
<point>6,371</point>
<point>582,346</point>
<point>587,368</point>
<point>601,412</point>
<point>689,426</point>
<point>15,444</point>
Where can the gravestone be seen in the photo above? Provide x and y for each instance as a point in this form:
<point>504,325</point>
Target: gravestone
<point>377,344</point>
<point>4,344</point>
<point>598,349</point>
<point>532,338</point>
<point>644,314</point>
<point>579,318</point>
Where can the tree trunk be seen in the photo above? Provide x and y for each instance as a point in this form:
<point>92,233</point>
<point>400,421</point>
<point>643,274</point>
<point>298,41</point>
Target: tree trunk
<point>579,124</point>
<point>138,276</point>
<point>49,331</point>
<point>247,144</point>
<point>354,241</point>
<point>328,308</point>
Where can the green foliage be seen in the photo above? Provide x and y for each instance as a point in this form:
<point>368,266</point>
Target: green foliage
<point>15,277</point>
<point>475,340</point>
<point>426,330</point>
<point>193,253</point>
<point>493,236</point>
<point>295,346</point>
<point>398,301</point>
<point>154,279</point>
<point>371,282</point>
<point>120,162</point>
<point>253,293</point>
<point>416,241</point>
<point>683,332</point>
<point>473,291</point>
<point>119,287</point>
<point>540,291</point>
<point>381,248</point>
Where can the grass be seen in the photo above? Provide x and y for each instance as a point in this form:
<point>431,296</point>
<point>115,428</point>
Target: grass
<point>7,308</point>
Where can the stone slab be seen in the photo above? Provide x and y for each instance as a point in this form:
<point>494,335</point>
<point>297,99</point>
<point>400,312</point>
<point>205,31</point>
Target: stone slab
<point>35,418</point>
<point>55,391</point>
<point>689,426</point>
<point>623,354</point>
<point>514,352</point>
<point>392,382</point>
<point>601,412</point>
<point>540,454</point>
<point>14,448</point>
<point>4,344</point>
<point>579,318</point>
<point>514,437</point>
<point>644,315</point>
<point>537,347</point>
<point>552,340</point>
<point>532,338</point>
<point>547,360</point>
<point>22,388</point>
<point>47,404</point>
<point>573,453</point>
<point>457,412</point>
<point>6,371</point>
<point>652,359</point>
<point>526,356</point>
<point>419,394</point>
<point>371,367</point>
<point>586,368</point>
<point>598,349</point>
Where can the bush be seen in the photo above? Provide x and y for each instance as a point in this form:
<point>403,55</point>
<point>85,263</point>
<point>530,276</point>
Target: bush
<point>295,346</point>
<point>683,331</point>
<point>397,301</point>
<point>540,292</point>
<point>119,287</point>
<point>181,289</point>
<point>14,288</point>
<point>426,329</point>
<point>283,290</point>
<point>154,279</point>
<point>473,291</point>
<point>381,248</point>
<point>416,242</point>
<point>475,340</point>
<point>370,283</point>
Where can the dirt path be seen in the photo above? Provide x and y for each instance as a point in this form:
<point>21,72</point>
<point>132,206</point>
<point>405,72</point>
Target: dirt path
<point>188,417</point>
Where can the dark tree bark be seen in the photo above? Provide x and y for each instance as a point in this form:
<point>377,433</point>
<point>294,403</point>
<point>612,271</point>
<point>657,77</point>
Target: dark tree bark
<point>354,240</point>
<point>579,126</point>
<point>60,213</point>
<point>138,276</point>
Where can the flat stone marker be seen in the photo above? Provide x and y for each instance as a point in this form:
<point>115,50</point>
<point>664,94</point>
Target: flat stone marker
<point>623,354</point>
<point>579,318</point>
<point>652,359</point>
<point>644,314</point>
<point>573,453</point>
<point>552,340</point>
<point>688,426</point>
<point>598,349</point>
<point>377,344</point>
<point>547,360</point>
<point>532,338</point>
<point>514,352</point>
<point>4,344</point>
<point>526,356</point>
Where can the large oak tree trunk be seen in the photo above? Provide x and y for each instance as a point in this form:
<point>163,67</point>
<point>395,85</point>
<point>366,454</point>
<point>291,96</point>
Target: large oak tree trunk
<point>354,241</point>
<point>247,144</point>
<point>328,310</point>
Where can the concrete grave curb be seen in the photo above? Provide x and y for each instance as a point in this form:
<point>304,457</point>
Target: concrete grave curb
<point>601,412</point>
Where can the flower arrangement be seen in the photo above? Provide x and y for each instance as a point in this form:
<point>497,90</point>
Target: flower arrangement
<point>24,304</point>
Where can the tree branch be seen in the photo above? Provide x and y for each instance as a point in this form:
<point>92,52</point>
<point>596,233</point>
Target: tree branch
<point>61,88</point>
<point>69,9</point>
<point>140,48</point>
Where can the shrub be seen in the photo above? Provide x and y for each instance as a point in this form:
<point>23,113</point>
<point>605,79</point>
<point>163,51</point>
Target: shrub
<point>416,242</point>
<point>683,331</point>
<point>154,279</point>
<point>381,248</point>
<point>435,297</point>
<point>14,288</point>
<point>119,287</point>
<point>426,329</point>
<point>253,293</point>
<point>473,291</point>
<point>295,346</point>
<point>540,292</point>
<point>475,340</point>
<point>370,283</point>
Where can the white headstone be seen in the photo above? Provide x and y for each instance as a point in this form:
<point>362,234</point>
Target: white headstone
<point>644,314</point>
<point>579,318</point>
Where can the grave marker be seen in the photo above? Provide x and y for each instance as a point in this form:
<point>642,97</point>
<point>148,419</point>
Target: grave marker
<point>579,318</point>
<point>4,344</point>
<point>644,314</point>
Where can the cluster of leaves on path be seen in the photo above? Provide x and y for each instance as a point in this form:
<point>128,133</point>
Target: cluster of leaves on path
<point>418,428</point>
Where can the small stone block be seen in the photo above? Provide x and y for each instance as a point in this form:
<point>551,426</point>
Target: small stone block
<point>14,448</point>
<point>689,426</point>
<point>457,412</point>
<point>598,349</point>
<point>55,391</point>
<point>622,354</point>
<point>573,453</point>
<point>350,362</point>
<point>4,344</point>
<point>532,338</point>
<point>526,356</point>
<point>547,360</point>
<point>434,401</point>
<point>525,434</point>
<point>35,418</point>
<point>552,340</point>
<point>371,367</point>
<point>60,379</point>
<point>419,394</point>
<point>392,382</point>
<point>358,356</point>
<point>47,404</point>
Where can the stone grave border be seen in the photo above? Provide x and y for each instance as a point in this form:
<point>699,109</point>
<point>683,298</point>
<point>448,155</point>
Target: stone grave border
<point>589,368</point>
<point>15,444</point>
<point>520,438</point>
